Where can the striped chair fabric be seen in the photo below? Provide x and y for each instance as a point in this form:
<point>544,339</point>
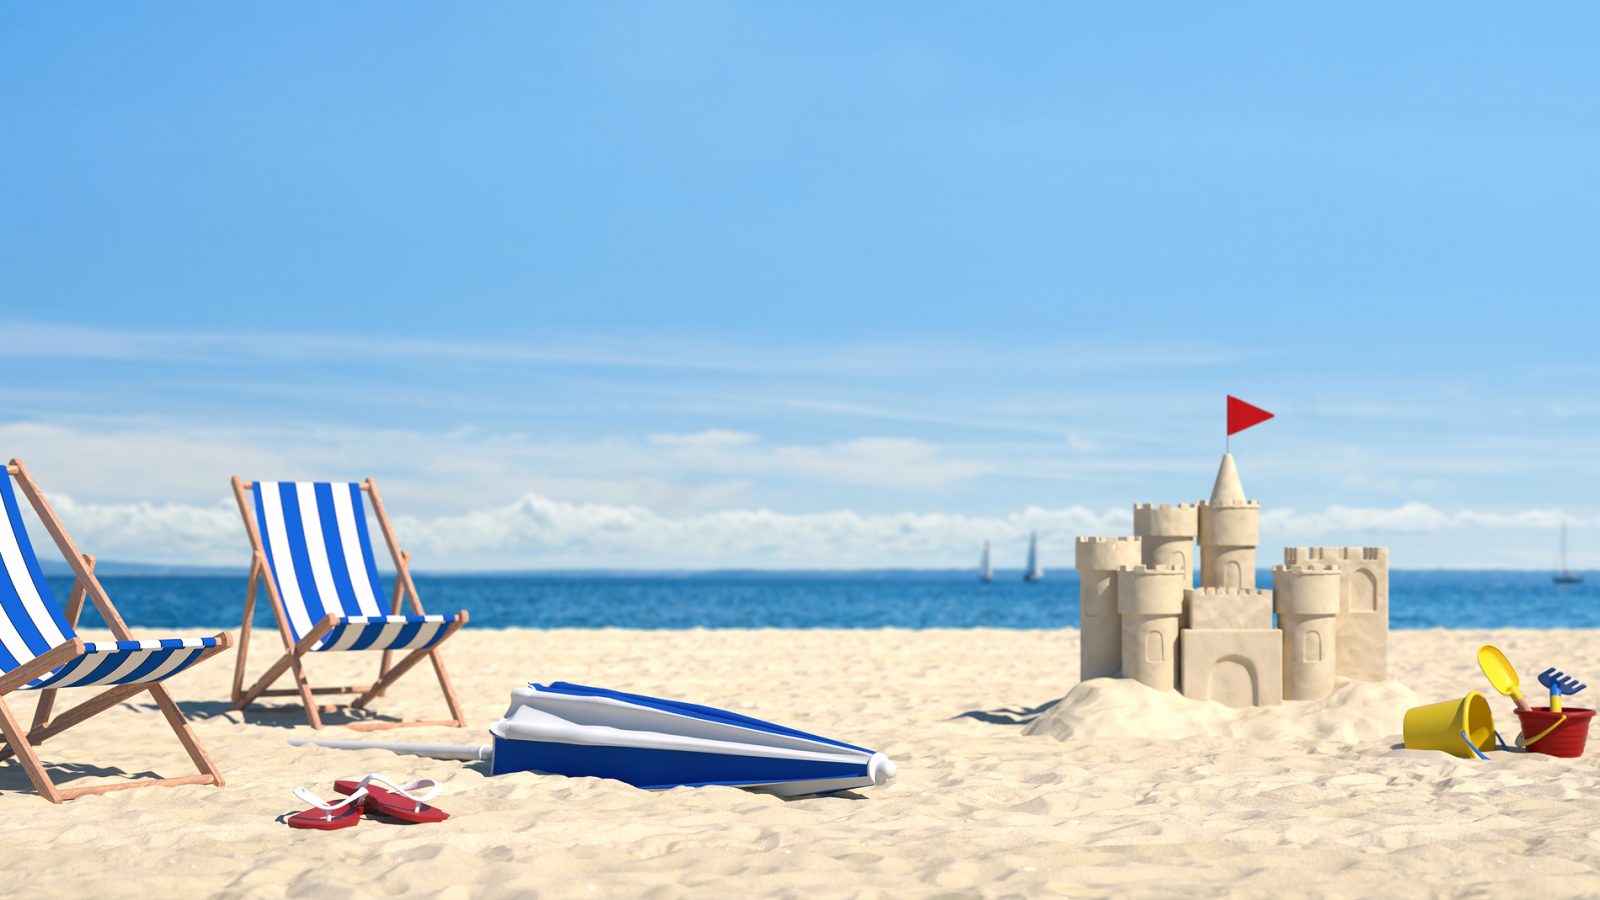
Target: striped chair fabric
<point>31,623</point>
<point>320,558</point>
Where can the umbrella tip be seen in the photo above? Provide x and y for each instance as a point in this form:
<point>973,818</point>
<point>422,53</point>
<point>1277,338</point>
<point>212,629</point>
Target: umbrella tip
<point>880,769</point>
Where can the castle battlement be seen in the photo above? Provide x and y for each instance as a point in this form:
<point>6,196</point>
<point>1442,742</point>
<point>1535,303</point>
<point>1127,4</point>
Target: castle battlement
<point>1107,554</point>
<point>1292,555</point>
<point>1231,504</point>
<point>1151,590</point>
<point>1168,520</point>
<point>1228,592</point>
<point>1218,608</point>
<point>1139,506</point>
<point>1152,570</point>
<point>1306,569</point>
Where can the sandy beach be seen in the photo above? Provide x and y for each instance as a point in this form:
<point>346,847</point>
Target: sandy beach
<point>1311,802</point>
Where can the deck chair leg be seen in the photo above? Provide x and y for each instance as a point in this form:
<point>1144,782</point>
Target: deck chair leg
<point>82,712</point>
<point>273,673</point>
<point>110,697</point>
<point>394,610</point>
<point>290,661</point>
<point>209,774</point>
<point>390,677</point>
<point>244,630</point>
<point>306,696</point>
<point>41,712</point>
<point>18,743</point>
<point>412,659</point>
<point>448,689</point>
<point>185,733</point>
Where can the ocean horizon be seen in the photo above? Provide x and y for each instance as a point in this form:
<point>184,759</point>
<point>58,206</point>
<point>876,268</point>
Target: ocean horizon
<point>881,598</point>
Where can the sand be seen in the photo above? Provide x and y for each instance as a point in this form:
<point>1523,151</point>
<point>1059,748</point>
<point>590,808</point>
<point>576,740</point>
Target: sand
<point>1118,790</point>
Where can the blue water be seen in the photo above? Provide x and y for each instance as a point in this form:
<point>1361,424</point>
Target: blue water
<point>845,600</point>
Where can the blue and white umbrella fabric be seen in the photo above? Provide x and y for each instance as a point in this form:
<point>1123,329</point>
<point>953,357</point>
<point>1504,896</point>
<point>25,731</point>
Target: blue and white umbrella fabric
<point>651,743</point>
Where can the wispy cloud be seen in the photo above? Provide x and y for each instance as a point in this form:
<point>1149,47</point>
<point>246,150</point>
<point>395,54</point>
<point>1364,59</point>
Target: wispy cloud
<point>1413,518</point>
<point>536,531</point>
<point>849,359</point>
<point>714,437</point>
<point>185,462</point>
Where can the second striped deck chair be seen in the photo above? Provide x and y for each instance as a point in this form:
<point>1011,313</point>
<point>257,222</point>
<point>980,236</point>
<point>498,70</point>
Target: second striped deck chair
<point>40,649</point>
<point>309,545</point>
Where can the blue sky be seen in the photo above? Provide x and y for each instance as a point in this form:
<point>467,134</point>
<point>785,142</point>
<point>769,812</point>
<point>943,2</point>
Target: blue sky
<point>815,285</point>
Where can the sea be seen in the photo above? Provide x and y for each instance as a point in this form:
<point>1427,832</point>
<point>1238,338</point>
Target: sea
<point>886,599</point>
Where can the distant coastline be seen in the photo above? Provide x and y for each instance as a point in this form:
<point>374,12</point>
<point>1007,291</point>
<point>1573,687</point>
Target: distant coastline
<point>133,569</point>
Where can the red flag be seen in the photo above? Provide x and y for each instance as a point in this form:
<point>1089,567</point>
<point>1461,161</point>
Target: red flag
<point>1242,415</point>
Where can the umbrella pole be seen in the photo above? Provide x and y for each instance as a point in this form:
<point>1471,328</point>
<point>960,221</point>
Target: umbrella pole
<point>465,752</point>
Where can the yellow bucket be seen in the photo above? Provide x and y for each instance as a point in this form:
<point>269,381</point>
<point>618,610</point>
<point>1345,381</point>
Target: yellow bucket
<point>1461,728</point>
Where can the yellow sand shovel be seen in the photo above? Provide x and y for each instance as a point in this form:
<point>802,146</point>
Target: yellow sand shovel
<point>1501,675</point>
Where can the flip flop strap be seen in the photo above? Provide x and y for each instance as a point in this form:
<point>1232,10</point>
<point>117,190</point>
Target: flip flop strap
<point>308,796</point>
<point>420,791</point>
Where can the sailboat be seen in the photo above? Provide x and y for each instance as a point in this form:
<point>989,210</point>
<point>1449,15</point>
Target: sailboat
<point>1035,572</point>
<point>985,567</point>
<point>1563,574</point>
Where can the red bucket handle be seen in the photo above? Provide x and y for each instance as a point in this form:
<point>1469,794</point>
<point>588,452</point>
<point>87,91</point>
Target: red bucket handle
<point>1529,742</point>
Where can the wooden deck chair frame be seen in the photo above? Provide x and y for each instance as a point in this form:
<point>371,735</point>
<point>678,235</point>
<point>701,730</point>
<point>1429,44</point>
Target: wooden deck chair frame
<point>86,584</point>
<point>295,651</point>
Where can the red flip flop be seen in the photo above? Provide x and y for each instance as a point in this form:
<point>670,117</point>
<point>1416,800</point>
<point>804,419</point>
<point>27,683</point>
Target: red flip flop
<point>327,816</point>
<point>396,800</point>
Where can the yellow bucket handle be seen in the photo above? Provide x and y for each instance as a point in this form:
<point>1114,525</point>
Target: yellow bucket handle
<point>1535,739</point>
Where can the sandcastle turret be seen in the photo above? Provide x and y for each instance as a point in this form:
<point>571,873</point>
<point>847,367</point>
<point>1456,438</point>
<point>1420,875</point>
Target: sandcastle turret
<point>1230,528</point>
<point>1099,622</point>
<point>1306,598</point>
<point>1363,642</point>
<point>1168,532</point>
<point>1150,599</point>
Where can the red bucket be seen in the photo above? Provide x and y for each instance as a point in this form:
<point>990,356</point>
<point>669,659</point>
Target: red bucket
<point>1546,732</point>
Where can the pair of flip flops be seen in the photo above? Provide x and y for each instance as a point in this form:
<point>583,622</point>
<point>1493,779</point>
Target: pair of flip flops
<point>373,794</point>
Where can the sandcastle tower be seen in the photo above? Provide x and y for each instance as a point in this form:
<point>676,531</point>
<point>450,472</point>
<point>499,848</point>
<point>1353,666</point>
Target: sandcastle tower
<point>1099,621</point>
<point>1229,650</point>
<point>1362,650</point>
<point>1230,528</point>
<point>1150,599</point>
<point>1307,600</point>
<point>1168,533</point>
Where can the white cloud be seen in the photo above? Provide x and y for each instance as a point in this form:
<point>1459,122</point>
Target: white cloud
<point>866,358</point>
<point>537,532</point>
<point>169,533</point>
<point>1411,518</point>
<point>897,462</point>
<point>714,437</point>
<point>136,461</point>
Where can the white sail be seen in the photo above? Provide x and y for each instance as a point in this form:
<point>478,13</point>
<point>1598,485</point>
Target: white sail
<point>985,567</point>
<point>1035,571</point>
<point>1563,574</point>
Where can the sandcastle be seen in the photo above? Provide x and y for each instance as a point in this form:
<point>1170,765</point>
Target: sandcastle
<point>1144,618</point>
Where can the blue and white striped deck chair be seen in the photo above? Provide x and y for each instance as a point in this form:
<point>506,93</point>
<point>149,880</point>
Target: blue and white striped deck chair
<point>309,543</point>
<point>41,651</point>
